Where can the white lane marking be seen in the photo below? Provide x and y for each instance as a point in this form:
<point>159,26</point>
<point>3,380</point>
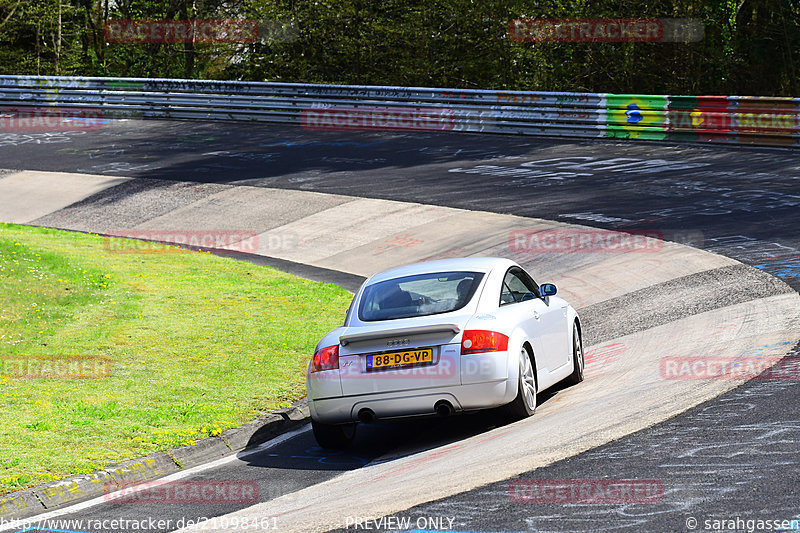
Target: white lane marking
<point>39,519</point>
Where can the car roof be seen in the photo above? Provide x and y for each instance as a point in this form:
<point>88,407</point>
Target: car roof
<point>468,264</point>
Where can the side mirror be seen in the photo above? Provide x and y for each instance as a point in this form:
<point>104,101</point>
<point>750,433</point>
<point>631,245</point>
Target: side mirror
<point>547,289</point>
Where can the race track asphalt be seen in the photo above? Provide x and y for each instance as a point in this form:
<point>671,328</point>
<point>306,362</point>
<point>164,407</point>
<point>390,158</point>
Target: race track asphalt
<point>731,457</point>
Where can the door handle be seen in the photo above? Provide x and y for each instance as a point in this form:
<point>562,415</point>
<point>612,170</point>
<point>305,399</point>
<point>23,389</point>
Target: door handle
<point>536,315</point>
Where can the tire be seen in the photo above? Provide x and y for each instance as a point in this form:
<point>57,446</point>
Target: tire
<point>524,404</point>
<point>578,360</point>
<point>334,436</point>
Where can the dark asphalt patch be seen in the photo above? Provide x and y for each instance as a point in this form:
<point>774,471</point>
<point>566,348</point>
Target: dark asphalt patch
<point>675,299</point>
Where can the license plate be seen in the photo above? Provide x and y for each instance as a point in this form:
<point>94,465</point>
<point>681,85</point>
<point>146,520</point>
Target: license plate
<point>407,357</point>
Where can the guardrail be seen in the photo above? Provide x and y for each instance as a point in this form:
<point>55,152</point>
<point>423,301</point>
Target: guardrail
<point>730,119</point>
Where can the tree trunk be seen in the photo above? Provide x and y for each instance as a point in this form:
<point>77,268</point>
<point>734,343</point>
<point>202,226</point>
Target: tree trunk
<point>58,42</point>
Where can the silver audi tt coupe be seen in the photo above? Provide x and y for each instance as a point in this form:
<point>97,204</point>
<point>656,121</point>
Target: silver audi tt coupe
<point>438,338</point>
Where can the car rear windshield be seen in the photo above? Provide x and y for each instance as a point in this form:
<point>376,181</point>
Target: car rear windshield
<point>420,295</point>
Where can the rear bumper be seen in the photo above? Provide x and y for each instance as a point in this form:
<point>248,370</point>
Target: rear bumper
<point>411,403</point>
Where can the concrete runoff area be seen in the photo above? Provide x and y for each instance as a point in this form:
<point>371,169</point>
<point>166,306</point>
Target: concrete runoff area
<point>27,196</point>
<point>361,236</point>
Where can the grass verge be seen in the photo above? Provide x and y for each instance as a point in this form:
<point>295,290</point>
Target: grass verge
<point>196,344</point>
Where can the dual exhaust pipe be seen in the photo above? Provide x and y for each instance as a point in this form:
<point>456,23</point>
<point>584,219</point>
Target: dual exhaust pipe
<point>367,416</point>
<point>442,408</point>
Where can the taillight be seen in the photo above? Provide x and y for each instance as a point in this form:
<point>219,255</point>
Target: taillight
<point>326,359</point>
<point>478,340</point>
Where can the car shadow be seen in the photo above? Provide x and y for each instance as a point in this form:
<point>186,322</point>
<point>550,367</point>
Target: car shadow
<point>386,441</point>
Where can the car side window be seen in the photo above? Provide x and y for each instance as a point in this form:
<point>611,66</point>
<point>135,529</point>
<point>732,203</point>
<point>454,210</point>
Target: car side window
<point>515,289</point>
<point>528,280</point>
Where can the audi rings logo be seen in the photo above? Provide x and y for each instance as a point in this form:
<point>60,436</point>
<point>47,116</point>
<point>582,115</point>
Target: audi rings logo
<point>398,342</point>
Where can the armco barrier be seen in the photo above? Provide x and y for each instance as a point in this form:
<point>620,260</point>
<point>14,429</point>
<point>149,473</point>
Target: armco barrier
<point>731,119</point>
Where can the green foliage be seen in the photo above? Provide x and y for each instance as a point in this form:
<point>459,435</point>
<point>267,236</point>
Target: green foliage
<point>750,46</point>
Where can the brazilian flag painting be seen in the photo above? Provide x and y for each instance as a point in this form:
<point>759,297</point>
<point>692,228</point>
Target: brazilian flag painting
<point>636,116</point>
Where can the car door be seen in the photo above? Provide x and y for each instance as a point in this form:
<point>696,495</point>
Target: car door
<point>519,296</point>
<point>552,313</point>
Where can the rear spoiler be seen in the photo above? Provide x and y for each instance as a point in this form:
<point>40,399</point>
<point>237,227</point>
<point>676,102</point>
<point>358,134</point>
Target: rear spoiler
<point>416,330</point>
